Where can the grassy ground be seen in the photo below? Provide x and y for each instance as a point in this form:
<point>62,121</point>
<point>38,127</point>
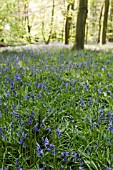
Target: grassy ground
<point>56,108</point>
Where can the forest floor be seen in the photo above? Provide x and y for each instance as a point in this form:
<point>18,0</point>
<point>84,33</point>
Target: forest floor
<point>56,107</point>
<point>92,46</point>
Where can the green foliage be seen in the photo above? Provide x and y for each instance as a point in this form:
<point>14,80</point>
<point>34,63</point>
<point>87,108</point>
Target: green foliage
<point>56,108</point>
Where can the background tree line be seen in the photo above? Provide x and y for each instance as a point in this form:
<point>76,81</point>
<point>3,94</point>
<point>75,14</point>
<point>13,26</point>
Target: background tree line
<point>66,21</point>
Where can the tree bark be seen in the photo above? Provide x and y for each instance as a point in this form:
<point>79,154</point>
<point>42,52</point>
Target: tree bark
<point>100,17</point>
<point>68,22</point>
<point>51,26</point>
<point>80,26</point>
<point>104,23</point>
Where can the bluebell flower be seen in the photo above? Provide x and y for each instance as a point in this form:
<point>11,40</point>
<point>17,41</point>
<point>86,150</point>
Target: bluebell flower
<point>39,150</point>
<point>81,102</point>
<point>35,129</point>
<point>74,157</point>
<point>110,127</point>
<point>17,164</point>
<point>23,138</point>
<point>45,142</point>
<point>7,94</point>
<point>80,160</point>
<point>12,125</point>
<point>0,130</point>
<point>81,168</point>
<point>90,102</point>
<point>41,125</point>
<point>74,82</point>
<point>100,90</point>
<point>87,87</point>
<point>65,154</point>
<point>89,151</point>
<point>31,115</point>
<point>65,159</point>
<point>15,93</point>
<point>17,77</point>
<point>58,133</point>
<point>26,97</point>
<point>40,153</point>
<point>66,85</point>
<point>30,121</point>
<point>0,114</point>
<point>24,145</point>
<point>109,75</point>
<point>16,115</point>
<point>53,153</point>
<point>50,131</point>
<point>109,169</point>
<point>51,147</point>
<point>111,95</point>
<point>4,137</point>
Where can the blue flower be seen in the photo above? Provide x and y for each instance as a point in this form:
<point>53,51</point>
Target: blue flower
<point>0,130</point>
<point>51,147</point>
<point>0,114</point>
<point>17,77</point>
<point>30,121</point>
<point>24,145</point>
<point>65,154</point>
<point>45,142</point>
<point>39,150</point>
<point>53,153</point>
<point>81,168</point>
<point>58,133</point>
<point>50,131</point>
<point>35,129</point>
<point>23,138</point>
<point>110,127</point>
<point>74,156</point>
<point>65,159</point>
<point>17,164</point>
<point>31,115</point>
<point>12,125</point>
<point>4,137</point>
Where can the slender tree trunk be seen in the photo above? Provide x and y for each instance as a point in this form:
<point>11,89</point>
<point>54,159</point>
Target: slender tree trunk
<point>100,17</point>
<point>67,26</point>
<point>28,26</point>
<point>68,22</point>
<point>111,22</point>
<point>80,27</point>
<point>111,11</point>
<point>104,22</point>
<point>86,36</point>
<point>51,29</point>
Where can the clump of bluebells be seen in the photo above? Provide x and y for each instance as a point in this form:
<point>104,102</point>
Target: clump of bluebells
<point>56,109</point>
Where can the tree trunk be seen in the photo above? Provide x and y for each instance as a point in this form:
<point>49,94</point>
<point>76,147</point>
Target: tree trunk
<point>68,22</point>
<point>28,26</point>
<point>80,27</point>
<point>111,11</point>
<point>100,17</point>
<point>86,36</point>
<point>104,23</point>
<point>51,26</point>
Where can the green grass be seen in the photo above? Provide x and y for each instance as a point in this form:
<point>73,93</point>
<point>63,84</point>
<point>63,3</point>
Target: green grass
<point>56,109</point>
